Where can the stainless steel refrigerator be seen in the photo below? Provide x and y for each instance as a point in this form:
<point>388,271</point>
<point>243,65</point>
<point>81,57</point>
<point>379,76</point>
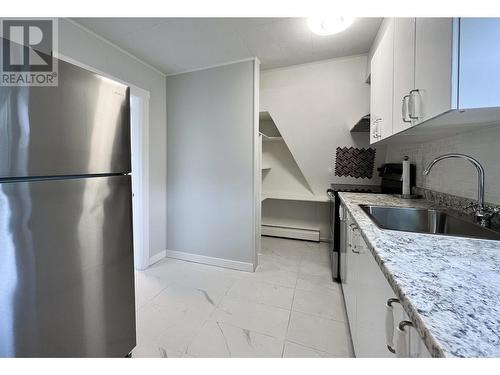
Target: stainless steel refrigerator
<point>66,254</point>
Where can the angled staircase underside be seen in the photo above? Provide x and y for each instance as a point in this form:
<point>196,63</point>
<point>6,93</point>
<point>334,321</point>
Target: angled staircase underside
<point>281,176</point>
<point>290,208</point>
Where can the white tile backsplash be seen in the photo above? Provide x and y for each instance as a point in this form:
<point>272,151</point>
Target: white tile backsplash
<point>455,176</point>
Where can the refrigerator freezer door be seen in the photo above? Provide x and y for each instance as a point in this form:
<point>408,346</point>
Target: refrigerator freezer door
<point>80,127</point>
<point>66,268</point>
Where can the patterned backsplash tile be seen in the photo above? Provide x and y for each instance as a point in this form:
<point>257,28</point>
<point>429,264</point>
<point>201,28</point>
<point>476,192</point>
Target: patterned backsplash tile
<point>354,162</point>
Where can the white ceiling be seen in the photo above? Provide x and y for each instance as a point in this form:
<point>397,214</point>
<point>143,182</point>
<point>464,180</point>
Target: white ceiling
<point>174,45</point>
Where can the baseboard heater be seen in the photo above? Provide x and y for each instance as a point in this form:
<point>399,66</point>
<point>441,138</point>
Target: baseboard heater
<point>290,232</point>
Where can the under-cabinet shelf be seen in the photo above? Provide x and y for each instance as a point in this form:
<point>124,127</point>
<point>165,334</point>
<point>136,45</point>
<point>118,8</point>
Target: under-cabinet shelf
<point>293,197</point>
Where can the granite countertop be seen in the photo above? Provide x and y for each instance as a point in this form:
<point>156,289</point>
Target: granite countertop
<point>449,286</point>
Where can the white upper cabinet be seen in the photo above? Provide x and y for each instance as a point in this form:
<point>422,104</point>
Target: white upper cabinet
<point>479,70</point>
<point>404,71</point>
<point>445,73</point>
<point>381,91</point>
<point>433,93</point>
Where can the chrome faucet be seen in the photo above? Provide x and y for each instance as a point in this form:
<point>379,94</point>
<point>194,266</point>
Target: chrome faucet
<point>482,214</point>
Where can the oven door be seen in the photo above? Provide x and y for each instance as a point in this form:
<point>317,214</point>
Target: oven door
<point>342,244</point>
<point>334,255</point>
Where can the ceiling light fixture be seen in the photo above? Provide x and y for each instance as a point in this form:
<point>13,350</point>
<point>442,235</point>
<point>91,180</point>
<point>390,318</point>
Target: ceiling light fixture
<point>329,26</point>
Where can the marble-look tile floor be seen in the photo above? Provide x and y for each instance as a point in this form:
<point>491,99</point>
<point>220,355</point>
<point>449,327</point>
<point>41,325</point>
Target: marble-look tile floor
<point>289,307</point>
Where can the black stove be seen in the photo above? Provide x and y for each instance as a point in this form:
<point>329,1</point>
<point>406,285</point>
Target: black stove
<point>391,183</point>
<point>337,188</point>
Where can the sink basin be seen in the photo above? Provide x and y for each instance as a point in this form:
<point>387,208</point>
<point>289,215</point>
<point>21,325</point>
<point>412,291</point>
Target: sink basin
<point>422,220</point>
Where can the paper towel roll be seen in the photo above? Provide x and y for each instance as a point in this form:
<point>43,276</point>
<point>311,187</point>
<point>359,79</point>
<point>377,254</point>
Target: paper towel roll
<point>406,176</point>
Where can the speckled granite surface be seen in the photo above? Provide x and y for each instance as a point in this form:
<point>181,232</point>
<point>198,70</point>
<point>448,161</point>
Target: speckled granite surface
<point>453,201</point>
<point>449,286</point>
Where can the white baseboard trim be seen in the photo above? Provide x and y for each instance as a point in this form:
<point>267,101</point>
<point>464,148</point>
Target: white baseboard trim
<point>157,257</point>
<point>226,263</point>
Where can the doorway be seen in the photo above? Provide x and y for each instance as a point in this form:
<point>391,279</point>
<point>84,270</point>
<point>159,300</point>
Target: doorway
<point>139,124</point>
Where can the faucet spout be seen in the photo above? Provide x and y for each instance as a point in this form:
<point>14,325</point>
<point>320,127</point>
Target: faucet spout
<point>480,181</point>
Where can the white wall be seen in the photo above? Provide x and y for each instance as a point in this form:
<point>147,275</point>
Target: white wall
<point>210,152</point>
<point>454,176</point>
<point>298,214</point>
<point>284,176</point>
<point>314,106</point>
<point>85,47</point>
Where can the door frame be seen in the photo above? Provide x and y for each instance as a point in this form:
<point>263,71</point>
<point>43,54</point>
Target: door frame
<point>141,193</point>
<point>141,255</point>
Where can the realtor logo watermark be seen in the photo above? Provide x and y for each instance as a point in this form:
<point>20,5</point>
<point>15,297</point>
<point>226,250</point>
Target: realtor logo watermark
<point>27,52</point>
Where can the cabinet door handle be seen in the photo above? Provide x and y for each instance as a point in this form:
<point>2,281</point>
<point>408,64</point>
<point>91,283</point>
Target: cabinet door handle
<point>374,130</point>
<point>411,103</point>
<point>401,345</point>
<point>354,228</point>
<point>404,108</point>
<point>389,324</point>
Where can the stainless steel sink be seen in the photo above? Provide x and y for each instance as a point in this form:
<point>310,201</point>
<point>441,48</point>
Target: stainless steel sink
<point>422,220</point>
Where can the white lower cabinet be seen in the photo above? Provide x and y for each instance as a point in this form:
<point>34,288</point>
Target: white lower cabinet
<point>372,293</point>
<point>349,283</point>
<point>366,294</point>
